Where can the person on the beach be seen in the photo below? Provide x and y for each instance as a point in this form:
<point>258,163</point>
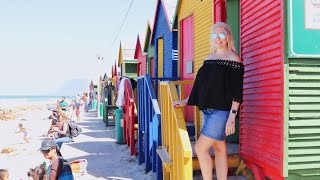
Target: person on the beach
<point>38,173</point>
<point>73,107</point>
<point>87,102</point>
<point>54,124</point>
<point>4,174</point>
<point>59,167</point>
<point>63,133</point>
<point>78,104</point>
<point>63,104</point>
<point>58,104</point>
<point>217,91</point>
<point>25,132</point>
<point>78,98</point>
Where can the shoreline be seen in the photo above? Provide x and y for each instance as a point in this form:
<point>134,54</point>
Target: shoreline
<point>96,143</point>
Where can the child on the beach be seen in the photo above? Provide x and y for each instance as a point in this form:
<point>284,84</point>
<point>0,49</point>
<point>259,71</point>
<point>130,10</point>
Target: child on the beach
<point>25,132</point>
<point>78,104</point>
<point>38,173</point>
<point>4,174</point>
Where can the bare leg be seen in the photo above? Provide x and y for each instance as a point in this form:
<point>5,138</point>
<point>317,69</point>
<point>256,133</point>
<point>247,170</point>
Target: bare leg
<point>220,151</point>
<point>26,139</point>
<point>202,148</point>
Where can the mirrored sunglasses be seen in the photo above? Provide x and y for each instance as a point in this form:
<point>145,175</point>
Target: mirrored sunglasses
<point>45,151</point>
<point>220,35</point>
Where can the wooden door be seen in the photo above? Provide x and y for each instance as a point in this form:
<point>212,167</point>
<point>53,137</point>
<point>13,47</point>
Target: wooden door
<point>187,58</point>
<point>160,57</point>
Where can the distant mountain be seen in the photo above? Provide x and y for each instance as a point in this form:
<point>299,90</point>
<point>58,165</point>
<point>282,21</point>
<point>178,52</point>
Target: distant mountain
<point>73,87</point>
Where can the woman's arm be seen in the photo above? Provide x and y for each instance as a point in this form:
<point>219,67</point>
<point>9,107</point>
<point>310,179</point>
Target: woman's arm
<point>230,126</point>
<point>63,131</point>
<point>181,103</point>
<point>55,169</point>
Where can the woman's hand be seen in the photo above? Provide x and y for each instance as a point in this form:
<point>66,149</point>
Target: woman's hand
<point>230,126</point>
<point>51,131</point>
<point>179,103</point>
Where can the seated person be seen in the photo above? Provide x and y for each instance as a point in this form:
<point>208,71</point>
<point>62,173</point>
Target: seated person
<point>61,131</point>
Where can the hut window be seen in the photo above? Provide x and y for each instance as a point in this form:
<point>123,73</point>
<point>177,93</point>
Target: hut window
<point>131,68</point>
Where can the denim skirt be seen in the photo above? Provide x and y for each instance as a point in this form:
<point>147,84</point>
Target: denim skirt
<point>214,124</point>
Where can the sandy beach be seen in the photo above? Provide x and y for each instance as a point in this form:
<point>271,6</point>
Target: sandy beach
<point>106,159</point>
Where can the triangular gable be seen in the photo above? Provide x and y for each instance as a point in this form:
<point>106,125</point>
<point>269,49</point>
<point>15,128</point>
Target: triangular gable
<point>105,77</point>
<point>138,48</point>
<point>147,38</point>
<point>169,7</point>
<point>128,54</point>
<point>91,85</point>
<point>115,69</point>
<point>125,53</point>
<point>175,16</point>
<point>120,57</point>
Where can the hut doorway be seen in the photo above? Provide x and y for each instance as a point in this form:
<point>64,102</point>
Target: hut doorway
<point>187,60</point>
<point>228,11</point>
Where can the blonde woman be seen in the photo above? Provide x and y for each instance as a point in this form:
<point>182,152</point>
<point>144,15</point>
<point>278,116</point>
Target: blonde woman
<point>217,91</point>
<point>62,133</point>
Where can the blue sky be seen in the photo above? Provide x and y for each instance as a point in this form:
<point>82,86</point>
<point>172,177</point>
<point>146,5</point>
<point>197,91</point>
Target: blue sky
<point>43,43</point>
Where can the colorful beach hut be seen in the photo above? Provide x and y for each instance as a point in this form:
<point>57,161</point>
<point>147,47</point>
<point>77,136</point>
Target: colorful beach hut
<point>126,62</point>
<point>164,39</point>
<point>149,50</point>
<point>280,123</point>
<point>140,56</point>
<point>114,74</point>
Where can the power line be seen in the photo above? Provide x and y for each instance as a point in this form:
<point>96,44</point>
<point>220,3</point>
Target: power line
<point>124,19</point>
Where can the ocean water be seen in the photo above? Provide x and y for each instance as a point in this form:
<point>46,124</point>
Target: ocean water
<point>8,101</point>
<point>34,98</point>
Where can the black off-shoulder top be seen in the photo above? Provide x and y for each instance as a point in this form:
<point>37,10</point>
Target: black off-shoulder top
<point>217,84</point>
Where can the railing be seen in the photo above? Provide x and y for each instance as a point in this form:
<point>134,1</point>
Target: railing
<point>176,151</point>
<point>157,80</point>
<point>149,136</point>
<point>149,123</point>
<point>129,117</point>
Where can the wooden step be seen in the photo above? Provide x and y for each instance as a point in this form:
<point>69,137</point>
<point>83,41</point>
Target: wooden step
<point>164,156</point>
<point>233,161</point>
<point>191,130</point>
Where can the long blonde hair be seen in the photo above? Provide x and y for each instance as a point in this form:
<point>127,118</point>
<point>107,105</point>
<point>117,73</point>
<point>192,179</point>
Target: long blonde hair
<point>227,31</point>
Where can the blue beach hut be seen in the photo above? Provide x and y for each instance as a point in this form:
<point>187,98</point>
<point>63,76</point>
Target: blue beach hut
<point>164,39</point>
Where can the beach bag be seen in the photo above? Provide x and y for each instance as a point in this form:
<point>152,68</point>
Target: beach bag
<point>66,173</point>
<point>74,129</point>
<point>79,166</point>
